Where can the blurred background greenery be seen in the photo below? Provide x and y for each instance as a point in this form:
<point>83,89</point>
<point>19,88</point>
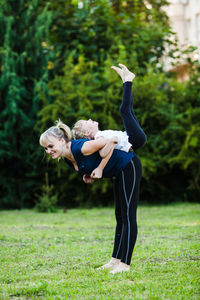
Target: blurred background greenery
<point>55,59</point>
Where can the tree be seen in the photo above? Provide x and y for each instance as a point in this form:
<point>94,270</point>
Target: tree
<point>89,38</point>
<point>24,56</point>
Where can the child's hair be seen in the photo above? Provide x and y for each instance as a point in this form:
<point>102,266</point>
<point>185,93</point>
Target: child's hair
<point>77,131</point>
<point>59,131</point>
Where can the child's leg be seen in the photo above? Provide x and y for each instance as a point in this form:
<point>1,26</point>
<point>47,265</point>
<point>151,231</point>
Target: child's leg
<point>127,101</point>
<point>136,135</point>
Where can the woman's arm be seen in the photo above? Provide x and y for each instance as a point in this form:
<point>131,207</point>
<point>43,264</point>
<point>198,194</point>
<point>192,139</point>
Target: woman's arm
<point>97,173</point>
<point>93,146</point>
<point>106,149</point>
<point>101,144</point>
<point>87,178</point>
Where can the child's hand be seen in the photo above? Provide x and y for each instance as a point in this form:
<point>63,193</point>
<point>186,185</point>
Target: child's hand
<point>96,173</point>
<point>88,179</point>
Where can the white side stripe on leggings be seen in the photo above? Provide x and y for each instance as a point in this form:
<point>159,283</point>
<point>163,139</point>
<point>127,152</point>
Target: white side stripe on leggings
<point>120,240</point>
<point>128,204</point>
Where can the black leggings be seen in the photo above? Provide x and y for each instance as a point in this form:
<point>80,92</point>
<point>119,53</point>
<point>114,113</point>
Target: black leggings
<point>127,183</point>
<point>136,135</point>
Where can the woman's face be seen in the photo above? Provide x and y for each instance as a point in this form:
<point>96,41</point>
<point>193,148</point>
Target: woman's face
<point>54,147</point>
<point>90,127</point>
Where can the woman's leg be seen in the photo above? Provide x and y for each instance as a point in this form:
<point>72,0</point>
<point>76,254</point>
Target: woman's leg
<point>115,260</point>
<point>129,182</point>
<point>118,215</point>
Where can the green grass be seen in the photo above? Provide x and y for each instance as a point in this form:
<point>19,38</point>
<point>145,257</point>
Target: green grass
<point>55,256</point>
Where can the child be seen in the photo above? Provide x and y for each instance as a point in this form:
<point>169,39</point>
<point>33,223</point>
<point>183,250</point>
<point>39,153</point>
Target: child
<point>89,129</point>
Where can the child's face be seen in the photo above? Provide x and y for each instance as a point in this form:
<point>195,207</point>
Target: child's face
<point>90,127</point>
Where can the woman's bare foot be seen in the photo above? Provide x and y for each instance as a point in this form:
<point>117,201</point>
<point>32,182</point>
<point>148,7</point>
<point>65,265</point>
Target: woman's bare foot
<point>112,263</point>
<point>124,73</point>
<point>121,267</point>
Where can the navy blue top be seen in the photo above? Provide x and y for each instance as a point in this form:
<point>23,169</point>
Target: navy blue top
<point>87,163</point>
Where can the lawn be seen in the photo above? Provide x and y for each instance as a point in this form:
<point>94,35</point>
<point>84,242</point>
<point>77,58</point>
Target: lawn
<point>56,255</point>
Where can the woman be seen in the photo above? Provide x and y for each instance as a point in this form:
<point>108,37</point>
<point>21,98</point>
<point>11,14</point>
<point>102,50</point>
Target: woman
<point>83,156</point>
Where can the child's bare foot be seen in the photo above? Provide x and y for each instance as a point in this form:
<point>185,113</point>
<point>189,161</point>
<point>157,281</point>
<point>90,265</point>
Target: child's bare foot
<point>121,267</point>
<point>124,73</point>
<point>112,263</point>
<point>119,71</point>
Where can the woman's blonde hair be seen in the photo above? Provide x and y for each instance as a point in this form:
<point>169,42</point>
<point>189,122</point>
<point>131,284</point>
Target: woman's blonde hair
<point>59,131</point>
<point>77,130</point>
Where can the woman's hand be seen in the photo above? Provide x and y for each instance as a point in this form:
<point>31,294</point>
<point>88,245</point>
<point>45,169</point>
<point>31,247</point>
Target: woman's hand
<point>114,139</point>
<point>88,179</point>
<point>96,173</point>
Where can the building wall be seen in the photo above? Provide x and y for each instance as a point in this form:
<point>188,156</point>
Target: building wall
<point>185,21</point>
